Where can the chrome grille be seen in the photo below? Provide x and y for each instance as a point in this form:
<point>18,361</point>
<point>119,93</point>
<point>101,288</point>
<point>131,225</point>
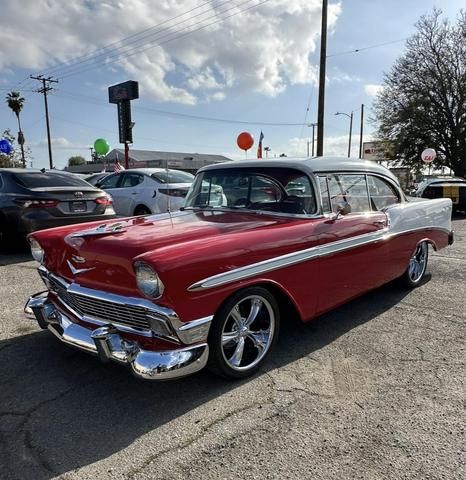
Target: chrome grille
<point>107,311</point>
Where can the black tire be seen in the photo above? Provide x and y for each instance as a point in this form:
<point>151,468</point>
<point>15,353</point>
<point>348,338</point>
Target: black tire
<point>417,266</point>
<point>227,358</point>
<point>142,210</point>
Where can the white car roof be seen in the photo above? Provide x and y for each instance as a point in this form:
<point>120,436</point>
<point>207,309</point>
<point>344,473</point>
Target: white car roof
<point>313,165</point>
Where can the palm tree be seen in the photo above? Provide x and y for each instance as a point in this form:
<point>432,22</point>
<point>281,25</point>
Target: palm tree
<point>16,102</point>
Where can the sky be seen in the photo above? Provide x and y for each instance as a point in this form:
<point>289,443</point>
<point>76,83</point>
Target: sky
<point>251,61</point>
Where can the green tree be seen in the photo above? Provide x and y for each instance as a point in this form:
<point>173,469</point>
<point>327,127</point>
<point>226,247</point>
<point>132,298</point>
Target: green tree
<point>14,159</point>
<point>76,160</point>
<point>16,103</point>
<point>423,100</point>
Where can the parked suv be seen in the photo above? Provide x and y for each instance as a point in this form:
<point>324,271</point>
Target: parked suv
<point>147,190</point>
<point>36,199</point>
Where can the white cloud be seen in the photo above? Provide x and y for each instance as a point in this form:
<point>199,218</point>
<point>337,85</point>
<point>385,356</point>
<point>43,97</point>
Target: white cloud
<point>372,90</point>
<point>60,143</point>
<point>262,49</point>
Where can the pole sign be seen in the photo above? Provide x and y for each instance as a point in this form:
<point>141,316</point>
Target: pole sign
<point>428,155</point>
<point>122,94</point>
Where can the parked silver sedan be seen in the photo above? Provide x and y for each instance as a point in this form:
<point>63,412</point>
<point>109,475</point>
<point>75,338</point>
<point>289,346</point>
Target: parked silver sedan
<point>144,191</point>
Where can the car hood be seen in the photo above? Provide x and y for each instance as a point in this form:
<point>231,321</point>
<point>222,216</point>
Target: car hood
<point>102,255</point>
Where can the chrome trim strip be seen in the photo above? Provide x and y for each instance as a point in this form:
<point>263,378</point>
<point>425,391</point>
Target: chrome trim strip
<point>77,271</point>
<point>293,258</point>
<point>287,260</point>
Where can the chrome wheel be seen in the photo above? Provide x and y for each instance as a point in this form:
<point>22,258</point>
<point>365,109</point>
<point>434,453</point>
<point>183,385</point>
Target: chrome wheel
<point>248,332</point>
<point>418,263</point>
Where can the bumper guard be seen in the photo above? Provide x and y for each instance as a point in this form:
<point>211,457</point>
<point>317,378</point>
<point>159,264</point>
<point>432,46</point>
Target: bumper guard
<point>110,346</point>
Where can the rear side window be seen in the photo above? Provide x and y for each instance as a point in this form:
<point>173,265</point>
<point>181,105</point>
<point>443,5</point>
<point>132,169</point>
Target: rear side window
<point>349,188</point>
<point>173,176</point>
<point>381,192</point>
<point>48,179</point>
<point>131,180</point>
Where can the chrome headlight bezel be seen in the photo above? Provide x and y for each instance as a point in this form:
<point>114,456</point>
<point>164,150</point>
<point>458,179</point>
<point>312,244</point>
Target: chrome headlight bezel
<point>147,280</point>
<point>37,252</point>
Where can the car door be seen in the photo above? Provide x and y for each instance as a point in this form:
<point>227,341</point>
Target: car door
<point>111,184</point>
<point>355,257</point>
<point>130,190</point>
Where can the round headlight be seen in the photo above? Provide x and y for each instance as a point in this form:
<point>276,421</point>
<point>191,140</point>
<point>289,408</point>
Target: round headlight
<point>37,251</point>
<point>147,280</point>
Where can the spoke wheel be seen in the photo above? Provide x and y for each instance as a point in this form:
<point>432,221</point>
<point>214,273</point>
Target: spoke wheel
<point>243,332</point>
<point>417,265</point>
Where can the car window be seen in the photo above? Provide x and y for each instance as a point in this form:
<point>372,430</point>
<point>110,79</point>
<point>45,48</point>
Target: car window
<point>281,190</point>
<point>110,182</point>
<point>1,182</point>
<point>48,179</point>
<point>381,192</point>
<point>349,188</point>
<point>173,176</point>
<point>326,205</point>
<point>131,180</point>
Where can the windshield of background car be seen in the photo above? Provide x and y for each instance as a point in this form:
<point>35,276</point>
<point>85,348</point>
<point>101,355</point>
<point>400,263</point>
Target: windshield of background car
<point>48,179</point>
<point>280,190</point>
<point>173,176</point>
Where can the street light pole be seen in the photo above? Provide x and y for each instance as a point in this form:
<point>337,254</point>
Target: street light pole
<point>313,125</point>
<point>361,131</point>
<point>350,116</point>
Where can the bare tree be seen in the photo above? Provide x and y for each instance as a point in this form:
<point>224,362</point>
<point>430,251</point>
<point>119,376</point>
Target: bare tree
<point>423,102</point>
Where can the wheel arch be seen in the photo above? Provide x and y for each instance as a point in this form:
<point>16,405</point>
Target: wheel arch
<point>286,304</point>
<point>141,205</point>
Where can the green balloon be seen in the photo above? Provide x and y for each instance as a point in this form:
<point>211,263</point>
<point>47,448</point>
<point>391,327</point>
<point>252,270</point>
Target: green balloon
<point>101,146</point>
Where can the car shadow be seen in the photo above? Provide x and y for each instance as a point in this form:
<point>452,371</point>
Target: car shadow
<point>61,409</point>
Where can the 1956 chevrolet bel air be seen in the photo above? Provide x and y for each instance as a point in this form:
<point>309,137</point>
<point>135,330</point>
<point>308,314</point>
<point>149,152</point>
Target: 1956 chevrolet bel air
<point>169,294</point>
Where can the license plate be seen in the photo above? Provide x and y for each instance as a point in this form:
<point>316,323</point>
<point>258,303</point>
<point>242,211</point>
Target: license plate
<point>452,192</point>
<point>78,207</point>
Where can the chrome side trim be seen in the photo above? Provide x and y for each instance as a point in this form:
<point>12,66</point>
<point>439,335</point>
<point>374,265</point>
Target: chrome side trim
<point>301,256</point>
<point>287,260</point>
<point>195,331</point>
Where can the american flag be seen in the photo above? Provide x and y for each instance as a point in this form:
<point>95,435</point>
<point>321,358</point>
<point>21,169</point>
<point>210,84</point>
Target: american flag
<point>259,147</point>
<point>118,167</point>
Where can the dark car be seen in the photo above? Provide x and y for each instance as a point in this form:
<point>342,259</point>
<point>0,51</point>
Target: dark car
<point>451,187</point>
<point>96,178</point>
<point>36,199</point>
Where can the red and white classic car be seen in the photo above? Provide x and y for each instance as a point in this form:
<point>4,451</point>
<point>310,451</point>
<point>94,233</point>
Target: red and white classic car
<point>169,294</point>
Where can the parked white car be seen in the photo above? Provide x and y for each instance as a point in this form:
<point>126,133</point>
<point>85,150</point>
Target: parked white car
<point>144,191</point>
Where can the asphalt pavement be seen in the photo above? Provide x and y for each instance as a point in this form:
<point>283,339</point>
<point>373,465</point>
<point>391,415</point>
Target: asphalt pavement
<point>373,390</point>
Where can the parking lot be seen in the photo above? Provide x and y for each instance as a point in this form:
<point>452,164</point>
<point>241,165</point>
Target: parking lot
<point>372,390</point>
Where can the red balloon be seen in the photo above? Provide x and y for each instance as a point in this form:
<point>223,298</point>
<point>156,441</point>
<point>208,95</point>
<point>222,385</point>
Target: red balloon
<point>245,141</point>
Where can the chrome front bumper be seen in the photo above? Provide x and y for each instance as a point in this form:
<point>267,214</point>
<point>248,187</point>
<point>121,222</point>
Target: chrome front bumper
<point>109,345</point>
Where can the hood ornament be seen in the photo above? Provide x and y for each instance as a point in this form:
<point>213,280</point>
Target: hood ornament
<point>77,271</point>
<point>104,229</point>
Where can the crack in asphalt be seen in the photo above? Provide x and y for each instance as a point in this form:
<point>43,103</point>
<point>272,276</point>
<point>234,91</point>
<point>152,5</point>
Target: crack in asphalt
<point>36,453</point>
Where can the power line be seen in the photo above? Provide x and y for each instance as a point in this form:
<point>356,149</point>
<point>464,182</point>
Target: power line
<point>124,43</point>
<point>137,50</point>
<point>186,116</point>
<point>357,50</point>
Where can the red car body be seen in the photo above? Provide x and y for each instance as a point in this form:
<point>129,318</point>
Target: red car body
<point>203,257</point>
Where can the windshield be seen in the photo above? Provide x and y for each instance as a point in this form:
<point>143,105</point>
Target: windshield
<point>280,190</point>
<point>49,179</point>
<point>173,176</point>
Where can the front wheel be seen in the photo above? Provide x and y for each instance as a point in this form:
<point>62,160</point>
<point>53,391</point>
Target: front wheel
<point>417,266</point>
<point>243,332</point>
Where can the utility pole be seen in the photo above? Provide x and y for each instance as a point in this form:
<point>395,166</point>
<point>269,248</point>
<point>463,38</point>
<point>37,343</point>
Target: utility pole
<point>46,88</point>
<point>361,131</point>
<point>323,61</point>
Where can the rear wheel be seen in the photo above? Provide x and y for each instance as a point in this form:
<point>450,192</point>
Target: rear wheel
<point>243,332</point>
<point>417,266</point>
<point>142,210</point>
